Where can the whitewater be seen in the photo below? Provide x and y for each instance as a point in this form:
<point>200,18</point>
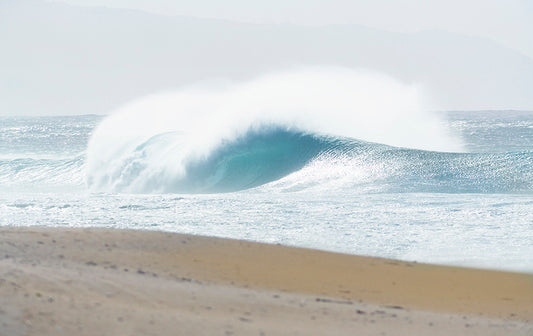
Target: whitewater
<point>326,158</point>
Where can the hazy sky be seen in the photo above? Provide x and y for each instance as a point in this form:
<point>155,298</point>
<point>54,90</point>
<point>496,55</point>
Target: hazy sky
<point>60,58</point>
<point>506,21</point>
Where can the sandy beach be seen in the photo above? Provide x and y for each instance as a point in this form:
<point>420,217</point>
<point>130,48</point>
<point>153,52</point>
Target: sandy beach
<point>123,282</point>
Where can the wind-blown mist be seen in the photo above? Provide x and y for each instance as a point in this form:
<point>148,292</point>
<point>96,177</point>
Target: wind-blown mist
<point>243,135</point>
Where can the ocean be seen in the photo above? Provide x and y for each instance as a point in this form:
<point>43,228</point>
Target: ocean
<point>282,185</point>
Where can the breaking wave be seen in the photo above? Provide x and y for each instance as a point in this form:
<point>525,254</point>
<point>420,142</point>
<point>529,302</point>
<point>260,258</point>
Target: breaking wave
<point>300,129</point>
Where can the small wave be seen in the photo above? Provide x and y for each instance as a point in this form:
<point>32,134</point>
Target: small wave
<point>61,206</point>
<point>41,173</point>
<point>21,205</point>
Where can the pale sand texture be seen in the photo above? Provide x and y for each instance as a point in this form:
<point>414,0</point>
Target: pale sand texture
<point>118,282</point>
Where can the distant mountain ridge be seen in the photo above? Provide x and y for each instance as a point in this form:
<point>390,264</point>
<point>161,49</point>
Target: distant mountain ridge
<point>61,59</point>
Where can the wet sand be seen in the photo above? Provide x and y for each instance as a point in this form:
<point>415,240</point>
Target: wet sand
<point>124,282</point>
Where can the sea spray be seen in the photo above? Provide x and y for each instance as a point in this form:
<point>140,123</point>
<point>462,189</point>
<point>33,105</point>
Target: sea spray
<point>160,142</point>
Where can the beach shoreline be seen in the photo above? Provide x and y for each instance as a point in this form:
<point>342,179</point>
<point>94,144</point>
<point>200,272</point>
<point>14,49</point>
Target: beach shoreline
<point>56,281</point>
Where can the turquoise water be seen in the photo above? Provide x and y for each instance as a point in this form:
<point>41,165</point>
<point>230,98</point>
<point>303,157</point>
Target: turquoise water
<point>282,184</point>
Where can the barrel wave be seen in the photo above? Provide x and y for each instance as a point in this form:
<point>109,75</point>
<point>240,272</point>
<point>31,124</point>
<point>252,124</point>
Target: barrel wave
<point>256,158</point>
<point>331,129</point>
<point>277,159</point>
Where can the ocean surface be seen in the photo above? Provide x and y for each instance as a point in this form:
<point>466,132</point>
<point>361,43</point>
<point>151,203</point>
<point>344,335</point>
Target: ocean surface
<point>282,184</point>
